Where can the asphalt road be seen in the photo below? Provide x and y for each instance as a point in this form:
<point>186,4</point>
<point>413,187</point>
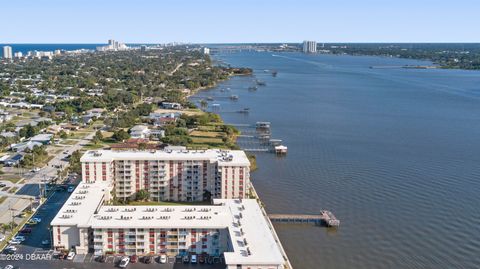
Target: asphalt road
<point>30,189</point>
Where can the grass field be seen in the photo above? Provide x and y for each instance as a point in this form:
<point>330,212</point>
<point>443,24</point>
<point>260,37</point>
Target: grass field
<point>13,179</point>
<point>206,128</point>
<point>69,142</point>
<point>207,134</point>
<point>206,140</point>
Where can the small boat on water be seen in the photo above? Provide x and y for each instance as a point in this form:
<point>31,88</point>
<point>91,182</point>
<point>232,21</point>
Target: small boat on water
<point>209,98</point>
<point>244,111</point>
<point>234,97</point>
<point>274,73</point>
<point>252,88</point>
<point>261,83</point>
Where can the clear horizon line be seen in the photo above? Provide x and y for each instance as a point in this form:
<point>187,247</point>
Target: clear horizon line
<point>282,42</point>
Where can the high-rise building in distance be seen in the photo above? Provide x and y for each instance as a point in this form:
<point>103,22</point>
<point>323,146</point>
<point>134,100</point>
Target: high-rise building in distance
<point>309,46</point>
<point>7,52</point>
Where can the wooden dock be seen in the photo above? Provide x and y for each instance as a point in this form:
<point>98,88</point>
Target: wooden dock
<point>325,217</point>
<point>256,150</point>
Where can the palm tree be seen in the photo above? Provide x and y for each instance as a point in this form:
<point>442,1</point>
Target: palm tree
<point>5,226</point>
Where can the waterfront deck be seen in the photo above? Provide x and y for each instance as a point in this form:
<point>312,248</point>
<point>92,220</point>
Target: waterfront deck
<point>325,217</point>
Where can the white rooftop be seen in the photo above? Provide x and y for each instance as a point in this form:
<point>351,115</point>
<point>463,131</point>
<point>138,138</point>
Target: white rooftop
<point>250,234</point>
<point>252,240</point>
<point>42,137</point>
<point>115,217</point>
<point>82,204</point>
<point>223,157</point>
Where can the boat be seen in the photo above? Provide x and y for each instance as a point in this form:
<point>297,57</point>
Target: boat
<point>234,97</point>
<point>274,73</point>
<point>252,88</point>
<point>261,83</point>
<point>209,98</point>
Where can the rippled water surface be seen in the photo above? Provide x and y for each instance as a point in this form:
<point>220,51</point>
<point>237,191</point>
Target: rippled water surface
<point>394,153</point>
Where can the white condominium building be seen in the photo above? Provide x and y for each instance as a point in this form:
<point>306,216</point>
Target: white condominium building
<point>309,46</point>
<point>236,228</point>
<point>170,175</point>
<point>7,52</point>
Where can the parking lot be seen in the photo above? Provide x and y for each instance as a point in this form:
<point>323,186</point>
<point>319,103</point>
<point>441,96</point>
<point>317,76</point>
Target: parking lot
<point>40,231</point>
<point>111,263</point>
<point>89,262</point>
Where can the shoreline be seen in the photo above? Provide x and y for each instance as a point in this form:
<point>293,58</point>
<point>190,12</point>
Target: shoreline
<point>252,189</point>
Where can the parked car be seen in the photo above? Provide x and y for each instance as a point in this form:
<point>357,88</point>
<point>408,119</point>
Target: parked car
<point>71,255</point>
<point>2,237</point>
<point>124,262</point>
<point>20,238</point>
<point>62,255</point>
<point>185,259</point>
<point>2,185</point>
<point>32,222</point>
<point>14,242</point>
<point>193,259</point>
<point>37,219</point>
<point>45,242</point>
<point>148,259</point>
<point>9,267</point>
<point>102,258</point>
<point>163,259</point>
<point>201,258</point>
<point>36,169</point>
<point>10,250</point>
<point>134,259</point>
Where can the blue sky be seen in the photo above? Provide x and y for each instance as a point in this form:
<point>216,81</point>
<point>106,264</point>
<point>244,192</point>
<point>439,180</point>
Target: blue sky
<point>220,21</point>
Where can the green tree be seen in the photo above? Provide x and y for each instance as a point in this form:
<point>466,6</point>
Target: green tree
<point>120,135</point>
<point>142,195</point>
<point>63,134</point>
<point>74,162</point>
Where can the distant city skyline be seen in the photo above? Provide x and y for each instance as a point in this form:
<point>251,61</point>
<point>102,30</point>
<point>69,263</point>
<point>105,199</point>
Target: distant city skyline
<point>247,21</point>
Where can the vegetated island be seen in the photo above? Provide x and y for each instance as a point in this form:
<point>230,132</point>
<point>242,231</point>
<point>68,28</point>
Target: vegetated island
<point>443,55</point>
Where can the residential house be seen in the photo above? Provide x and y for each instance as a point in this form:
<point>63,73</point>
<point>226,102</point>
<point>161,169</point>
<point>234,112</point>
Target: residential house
<point>13,160</point>
<point>45,139</point>
<point>140,131</point>
<point>169,105</point>
<point>22,146</point>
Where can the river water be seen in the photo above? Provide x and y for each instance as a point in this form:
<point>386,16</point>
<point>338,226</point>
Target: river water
<point>394,153</point>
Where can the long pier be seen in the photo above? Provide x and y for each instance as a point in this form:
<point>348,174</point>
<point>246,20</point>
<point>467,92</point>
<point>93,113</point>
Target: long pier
<point>257,150</point>
<point>325,217</point>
